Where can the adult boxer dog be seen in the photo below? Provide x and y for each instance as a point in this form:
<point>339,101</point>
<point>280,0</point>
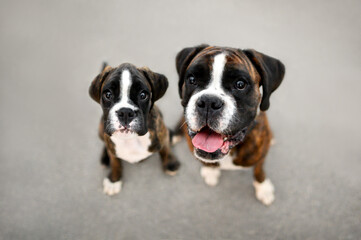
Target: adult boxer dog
<point>131,127</point>
<point>224,109</point>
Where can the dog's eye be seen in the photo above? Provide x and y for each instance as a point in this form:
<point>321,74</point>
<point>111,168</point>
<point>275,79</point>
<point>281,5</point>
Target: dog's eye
<point>240,84</point>
<point>143,95</point>
<point>108,95</point>
<point>192,80</point>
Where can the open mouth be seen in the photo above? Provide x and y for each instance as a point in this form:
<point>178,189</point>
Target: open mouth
<point>210,141</point>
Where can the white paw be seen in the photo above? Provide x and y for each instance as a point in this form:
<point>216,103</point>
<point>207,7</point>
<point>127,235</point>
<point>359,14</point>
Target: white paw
<point>176,139</point>
<point>273,142</point>
<point>111,188</point>
<point>171,173</point>
<point>265,191</point>
<point>210,175</point>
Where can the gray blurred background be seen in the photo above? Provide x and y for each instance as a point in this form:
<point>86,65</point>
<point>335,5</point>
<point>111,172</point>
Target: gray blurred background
<point>50,176</point>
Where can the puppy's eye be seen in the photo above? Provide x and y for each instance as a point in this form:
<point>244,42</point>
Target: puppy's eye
<point>192,80</point>
<point>143,95</point>
<point>240,84</point>
<point>108,95</point>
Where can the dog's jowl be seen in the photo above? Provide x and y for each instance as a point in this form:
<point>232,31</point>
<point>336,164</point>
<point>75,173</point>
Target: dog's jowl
<point>131,127</point>
<point>225,93</point>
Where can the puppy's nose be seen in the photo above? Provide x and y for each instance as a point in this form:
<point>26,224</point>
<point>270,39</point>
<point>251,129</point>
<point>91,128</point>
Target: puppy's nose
<point>209,104</point>
<point>126,115</point>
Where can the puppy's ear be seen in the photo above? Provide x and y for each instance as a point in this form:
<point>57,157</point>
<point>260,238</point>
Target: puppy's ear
<point>183,59</point>
<point>95,87</point>
<point>271,71</point>
<point>157,81</point>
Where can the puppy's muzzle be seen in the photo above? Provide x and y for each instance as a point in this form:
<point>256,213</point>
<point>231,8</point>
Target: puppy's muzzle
<point>126,116</point>
<point>209,106</point>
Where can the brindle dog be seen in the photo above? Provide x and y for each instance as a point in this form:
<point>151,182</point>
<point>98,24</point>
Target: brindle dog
<point>131,127</point>
<point>225,93</point>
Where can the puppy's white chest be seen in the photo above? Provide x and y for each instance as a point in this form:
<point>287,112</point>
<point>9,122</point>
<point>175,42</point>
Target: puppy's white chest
<point>131,147</point>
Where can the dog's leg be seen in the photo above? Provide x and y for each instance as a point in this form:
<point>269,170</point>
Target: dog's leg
<point>210,174</point>
<point>178,133</point>
<point>104,160</point>
<point>263,186</point>
<point>113,184</point>
<point>170,164</point>
<point>175,137</point>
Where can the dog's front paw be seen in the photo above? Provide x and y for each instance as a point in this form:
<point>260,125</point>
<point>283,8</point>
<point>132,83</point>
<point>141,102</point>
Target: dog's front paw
<point>111,188</point>
<point>210,175</point>
<point>172,166</point>
<point>265,191</point>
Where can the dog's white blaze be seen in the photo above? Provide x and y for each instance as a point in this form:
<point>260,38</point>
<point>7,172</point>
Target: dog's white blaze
<point>125,84</point>
<point>131,147</point>
<point>218,66</point>
<point>214,88</point>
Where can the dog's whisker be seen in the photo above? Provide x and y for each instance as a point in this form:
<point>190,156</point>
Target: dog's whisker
<point>182,125</point>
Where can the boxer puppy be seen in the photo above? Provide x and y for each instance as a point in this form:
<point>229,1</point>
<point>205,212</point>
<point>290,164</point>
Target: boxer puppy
<point>224,109</point>
<point>131,127</point>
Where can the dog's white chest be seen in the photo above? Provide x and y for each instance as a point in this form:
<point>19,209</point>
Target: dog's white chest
<point>131,147</point>
<point>227,164</point>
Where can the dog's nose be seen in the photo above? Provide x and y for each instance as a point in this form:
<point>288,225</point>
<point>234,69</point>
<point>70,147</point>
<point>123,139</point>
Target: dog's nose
<point>126,115</point>
<point>209,103</point>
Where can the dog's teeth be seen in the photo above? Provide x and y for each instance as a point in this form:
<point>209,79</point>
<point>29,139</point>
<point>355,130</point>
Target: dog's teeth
<point>225,139</point>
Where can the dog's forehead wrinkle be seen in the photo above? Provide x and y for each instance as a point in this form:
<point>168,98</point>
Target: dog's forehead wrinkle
<point>138,84</point>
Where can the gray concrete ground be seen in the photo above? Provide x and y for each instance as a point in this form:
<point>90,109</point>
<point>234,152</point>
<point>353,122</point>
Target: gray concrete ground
<point>50,176</point>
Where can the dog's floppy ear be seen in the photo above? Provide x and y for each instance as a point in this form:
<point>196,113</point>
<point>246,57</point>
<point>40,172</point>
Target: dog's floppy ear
<point>95,87</point>
<point>183,59</point>
<point>271,71</point>
<point>157,81</point>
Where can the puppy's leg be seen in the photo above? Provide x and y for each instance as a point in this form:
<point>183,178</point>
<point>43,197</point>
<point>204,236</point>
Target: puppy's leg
<point>210,174</point>
<point>263,186</point>
<point>170,163</point>
<point>105,158</point>
<point>113,184</point>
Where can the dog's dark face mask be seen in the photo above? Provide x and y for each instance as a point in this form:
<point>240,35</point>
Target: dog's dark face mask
<point>220,91</point>
<point>127,95</point>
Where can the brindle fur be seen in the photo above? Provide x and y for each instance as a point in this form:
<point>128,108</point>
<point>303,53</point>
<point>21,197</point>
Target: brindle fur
<point>253,150</point>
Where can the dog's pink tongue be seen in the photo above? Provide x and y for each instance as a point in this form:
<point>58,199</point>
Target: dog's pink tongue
<point>208,140</point>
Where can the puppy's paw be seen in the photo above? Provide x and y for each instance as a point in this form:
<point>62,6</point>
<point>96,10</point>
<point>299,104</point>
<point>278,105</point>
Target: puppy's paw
<point>172,167</point>
<point>176,139</point>
<point>210,175</point>
<point>111,188</point>
<point>265,191</point>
